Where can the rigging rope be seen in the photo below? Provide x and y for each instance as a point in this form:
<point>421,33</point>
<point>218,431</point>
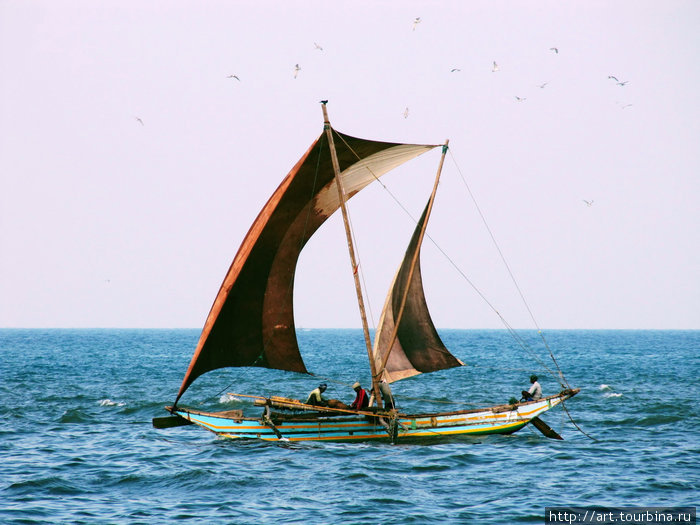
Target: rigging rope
<point>510,329</point>
<point>563,405</point>
<point>359,267</point>
<point>449,259</point>
<point>563,381</point>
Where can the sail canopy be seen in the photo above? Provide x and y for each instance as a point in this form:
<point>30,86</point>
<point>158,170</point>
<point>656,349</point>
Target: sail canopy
<point>417,347</point>
<point>251,322</point>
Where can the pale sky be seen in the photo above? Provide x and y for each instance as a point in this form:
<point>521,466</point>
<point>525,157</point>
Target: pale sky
<point>108,221</point>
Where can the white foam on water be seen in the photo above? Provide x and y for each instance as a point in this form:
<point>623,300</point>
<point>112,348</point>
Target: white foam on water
<point>110,403</point>
<point>228,398</point>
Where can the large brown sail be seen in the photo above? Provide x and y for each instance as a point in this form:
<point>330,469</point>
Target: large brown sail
<point>251,322</point>
<point>417,347</point>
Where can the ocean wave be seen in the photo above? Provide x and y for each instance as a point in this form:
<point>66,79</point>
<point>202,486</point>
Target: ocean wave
<point>110,403</point>
<point>51,485</point>
<point>75,415</point>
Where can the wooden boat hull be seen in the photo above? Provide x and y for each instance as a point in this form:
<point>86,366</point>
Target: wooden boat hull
<point>502,419</point>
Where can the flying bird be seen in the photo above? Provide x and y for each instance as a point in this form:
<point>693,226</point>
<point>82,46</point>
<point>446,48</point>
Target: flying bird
<point>495,67</point>
<point>318,47</point>
<point>296,70</point>
<point>405,113</point>
<point>588,203</point>
<point>519,99</point>
<point>625,106</point>
<point>455,69</point>
<point>541,86</point>
<point>555,49</point>
<point>234,76</point>
<point>415,23</point>
<point>139,120</point>
<point>622,83</point>
<point>613,78</point>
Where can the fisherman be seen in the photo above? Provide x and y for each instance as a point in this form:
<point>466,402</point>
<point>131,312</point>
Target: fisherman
<point>315,397</point>
<point>361,398</point>
<point>387,396</point>
<point>535,391</point>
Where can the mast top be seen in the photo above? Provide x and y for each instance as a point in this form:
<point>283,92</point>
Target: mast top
<point>326,122</point>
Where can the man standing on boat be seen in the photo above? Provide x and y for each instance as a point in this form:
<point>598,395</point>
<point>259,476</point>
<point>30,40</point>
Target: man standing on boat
<point>535,391</point>
<point>361,399</point>
<point>387,396</point>
<point>315,397</point>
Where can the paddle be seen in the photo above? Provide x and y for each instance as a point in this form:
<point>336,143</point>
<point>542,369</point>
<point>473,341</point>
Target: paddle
<point>545,428</point>
<point>170,421</point>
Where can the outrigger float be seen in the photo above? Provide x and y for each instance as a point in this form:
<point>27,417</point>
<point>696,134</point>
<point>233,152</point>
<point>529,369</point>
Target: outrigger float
<point>251,322</point>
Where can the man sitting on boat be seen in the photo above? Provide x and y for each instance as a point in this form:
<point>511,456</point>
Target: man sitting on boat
<point>535,391</point>
<point>315,397</point>
<point>361,399</point>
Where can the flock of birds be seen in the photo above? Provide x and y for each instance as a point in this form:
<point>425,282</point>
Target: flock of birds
<point>495,68</point>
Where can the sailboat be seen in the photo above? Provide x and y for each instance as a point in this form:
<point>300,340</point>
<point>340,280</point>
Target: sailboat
<point>251,322</point>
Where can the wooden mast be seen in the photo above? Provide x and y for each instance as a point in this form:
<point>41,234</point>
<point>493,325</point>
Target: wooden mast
<point>351,249</point>
<point>416,254</point>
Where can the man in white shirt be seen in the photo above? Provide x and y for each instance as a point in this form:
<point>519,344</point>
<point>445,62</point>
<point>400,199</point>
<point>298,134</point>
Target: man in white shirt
<point>535,391</point>
<point>315,397</point>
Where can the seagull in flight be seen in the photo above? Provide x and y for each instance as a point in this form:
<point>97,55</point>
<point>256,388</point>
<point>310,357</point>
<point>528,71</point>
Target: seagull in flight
<point>415,23</point>
<point>139,121</point>
<point>234,76</point>
<point>622,83</point>
<point>588,203</point>
<point>541,86</point>
<point>454,70</point>
<point>625,106</point>
<point>318,47</point>
<point>613,78</point>
<point>555,49</point>
<point>495,67</point>
<point>519,99</point>
<point>296,70</point>
<point>405,113</point>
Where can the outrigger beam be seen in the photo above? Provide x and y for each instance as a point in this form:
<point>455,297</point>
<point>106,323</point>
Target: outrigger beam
<point>293,404</point>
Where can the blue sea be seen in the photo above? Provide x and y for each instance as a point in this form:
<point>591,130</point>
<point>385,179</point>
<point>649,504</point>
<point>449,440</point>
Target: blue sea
<point>77,444</point>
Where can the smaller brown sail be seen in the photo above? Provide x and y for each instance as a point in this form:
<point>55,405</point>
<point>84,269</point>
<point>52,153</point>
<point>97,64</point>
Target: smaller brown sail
<point>417,347</point>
